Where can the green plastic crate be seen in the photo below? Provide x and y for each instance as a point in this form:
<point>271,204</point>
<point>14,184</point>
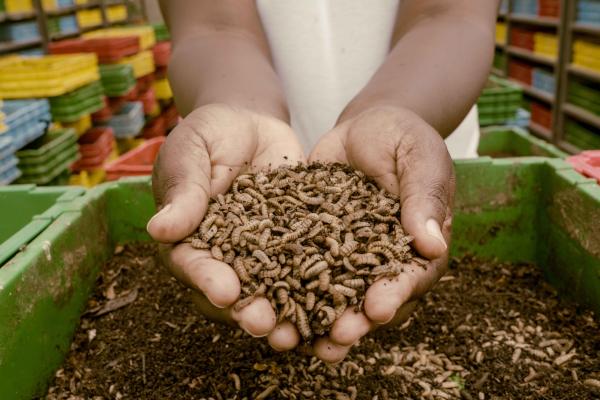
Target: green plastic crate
<point>502,141</point>
<point>517,210</point>
<point>499,101</point>
<point>25,211</point>
<point>117,79</point>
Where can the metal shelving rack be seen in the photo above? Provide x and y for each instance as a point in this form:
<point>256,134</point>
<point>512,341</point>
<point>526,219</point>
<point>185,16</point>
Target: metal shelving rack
<point>42,16</point>
<point>566,28</point>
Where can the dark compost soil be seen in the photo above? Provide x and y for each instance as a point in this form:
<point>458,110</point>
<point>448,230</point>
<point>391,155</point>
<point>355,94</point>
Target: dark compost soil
<point>487,331</point>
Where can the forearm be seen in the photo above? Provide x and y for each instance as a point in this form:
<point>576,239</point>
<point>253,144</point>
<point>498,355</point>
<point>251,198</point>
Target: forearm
<point>202,72</point>
<point>437,67</point>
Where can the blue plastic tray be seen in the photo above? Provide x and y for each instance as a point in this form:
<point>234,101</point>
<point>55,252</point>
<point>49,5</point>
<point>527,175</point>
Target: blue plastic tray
<point>8,163</point>
<point>68,24</point>
<point>19,31</point>
<point>19,112</point>
<point>527,7</point>
<point>521,119</point>
<point>129,122</point>
<point>9,176</point>
<point>588,6</point>
<point>544,80</point>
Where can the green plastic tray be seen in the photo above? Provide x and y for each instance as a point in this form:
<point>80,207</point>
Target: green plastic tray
<point>501,92</point>
<point>581,137</point>
<point>580,90</point>
<point>43,150</point>
<point>117,79</point>
<point>591,106</point>
<point>73,98</point>
<point>517,210</point>
<point>37,207</point>
<point>37,173</point>
<point>77,111</point>
<point>161,32</point>
<point>501,142</point>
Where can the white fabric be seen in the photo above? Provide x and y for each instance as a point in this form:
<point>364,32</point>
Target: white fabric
<point>325,51</point>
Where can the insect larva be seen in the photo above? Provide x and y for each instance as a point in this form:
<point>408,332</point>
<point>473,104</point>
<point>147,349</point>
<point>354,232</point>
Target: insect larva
<point>315,269</point>
<point>291,236</point>
<point>250,237</point>
<point>359,224</point>
<point>270,273</point>
<point>207,223</point>
<point>334,246</point>
<point>199,244</point>
<point>356,283</point>
<point>329,258</point>
<point>275,204</point>
<point>281,258</point>
<point>348,247</point>
<point>338,298</point>
<point>210,233</point>
<point>292,309</point>
<point>381,228</point>
<point>242,303</point>
<point>264,238</point>
<point>346,291</point>
<point>237,232</point>
<point>309,251</point>
<point>331,190</point>
<point>310,301</point>
<point>330,219</point>
<point>240,269</point>
<point>228,257</point>
<point>294,283</point>
<point>243,198</point>
<point>213,208</point>
<point>383,218</point>
<point>330,315</point>
<point>297,260</point>
<point>315,230</point>
<point>261,290</point>
<point>343,199</point>
<point>348,219</point>
<point>302,323</point>
<point>284,272</point>
<point>364,259</point>
<point>283,311</point>
<point>312,285</point>
<point>348,265</point>
<point>264,224</point>
<point>320,175</point>
<point>310,200</point>
<point>292,200</point>
<point>340,308</point>
<point>319,304</point>
<point>324,280</point>
<point>299,298</point>
<point>253,193</point>
<point>309,262</point>
<point>383,251</point>
<point>282,295</point>
<point>295,248</point>
<point>261,256</point>
<point>216,253</point>
<point>245,181</point>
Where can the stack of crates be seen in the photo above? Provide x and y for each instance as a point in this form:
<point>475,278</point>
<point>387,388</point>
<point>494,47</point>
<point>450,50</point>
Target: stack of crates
<point>585,95</point>
<point>544,80</point>
<point>545,44</point>
<point>586,53</point>
<point>525,7</point>
<point>48,158</point>
<point>23,121</point>
<point>97,148</point>
<point>588,12</point>
<point>499,101</point>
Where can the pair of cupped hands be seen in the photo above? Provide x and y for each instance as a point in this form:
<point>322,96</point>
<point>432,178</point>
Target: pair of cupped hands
<point>215,143</point>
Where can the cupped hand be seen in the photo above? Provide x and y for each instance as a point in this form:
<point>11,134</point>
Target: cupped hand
<point>408,158</point>
<point>200,159</point>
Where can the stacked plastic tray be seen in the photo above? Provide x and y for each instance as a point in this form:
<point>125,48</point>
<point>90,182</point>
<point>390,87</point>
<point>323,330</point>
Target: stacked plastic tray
<point>581,135</point>
<point>48,76</point>
<point>96,147</point>
<point>129,122</point>
<point>89,18</point>
<point>545,44</point>
<point>549,8</point>
<point>586,96</point>
<point>520,71</point>
<point>136,162</point>
<point>117,79</point>
<point>526,7</point>
<point>19,31</point>
<point>541,114</point>
<point>588,12</point>
<point>544,80</point>
<point>142,63</point>
<point>586,53</point>
<point>161,32</point>
<point>108,50</point>
<point>587,163</point>
<point>75,105</point>
<point>144,33</point>
<point>116,13</point>
<point>521,119</point>
<point>523,38</point>
<point>499,101</point>
<point>162,53</point>
<point>48,157</point>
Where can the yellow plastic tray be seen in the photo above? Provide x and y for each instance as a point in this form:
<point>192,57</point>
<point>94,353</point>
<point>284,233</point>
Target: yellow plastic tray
<point>18,6</point>
<point>142,63</point>
<point>125,145</point>
<point>583,48</point>
<point>116,13</point>
<point>587,62</point>
<point>500,33</point>
<point>162,88</point>
<point>145,33</point>
<point>88,179</point>
<point>91,17</point>
<point>81,125</point>
<point>22,77</point>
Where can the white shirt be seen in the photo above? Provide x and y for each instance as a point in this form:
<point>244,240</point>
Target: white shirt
<point>325,52</point>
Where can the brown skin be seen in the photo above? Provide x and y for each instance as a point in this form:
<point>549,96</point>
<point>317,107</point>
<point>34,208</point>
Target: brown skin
<point>392,130</point>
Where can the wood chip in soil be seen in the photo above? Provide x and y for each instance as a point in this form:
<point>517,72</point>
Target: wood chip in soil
<point>486,331</point>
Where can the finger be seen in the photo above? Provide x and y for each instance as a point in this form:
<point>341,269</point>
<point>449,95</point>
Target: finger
<point>181,184</point>
<point>330,148</point>
<point>284,337</point>
<point>257,318</point>
<point>350,327</point>
<point>330,352</point>
<point>211,312</point>
<point>199,271</point>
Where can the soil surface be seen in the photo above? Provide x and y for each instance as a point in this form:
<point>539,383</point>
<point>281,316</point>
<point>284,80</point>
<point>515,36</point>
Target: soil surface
<point>487,331</point>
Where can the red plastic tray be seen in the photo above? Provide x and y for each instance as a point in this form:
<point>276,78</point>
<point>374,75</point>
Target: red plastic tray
<point>136,162</point>
<point>155,128</point>
<point>148,98</point>
<point>162,53</point>
<point>145,82</point>
<point>522,38</point>
<point>520,71</point>
<point>108,50</point>
<point>587,163</point>
<point>171,117</point>
<point>541,114</point>
<point>95,141</point>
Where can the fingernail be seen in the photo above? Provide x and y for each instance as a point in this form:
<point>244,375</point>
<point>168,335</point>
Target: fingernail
<point>162,211</point>
<point>434,230</point>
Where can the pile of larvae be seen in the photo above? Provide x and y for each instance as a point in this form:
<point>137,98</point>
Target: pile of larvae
<point>311,239</point>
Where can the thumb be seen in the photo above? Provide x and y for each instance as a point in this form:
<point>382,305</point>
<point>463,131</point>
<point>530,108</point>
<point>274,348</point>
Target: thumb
<point>181,185</point>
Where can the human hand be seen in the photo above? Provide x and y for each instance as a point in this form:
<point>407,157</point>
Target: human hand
<point>408,158</point>
<point>200,159</point>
